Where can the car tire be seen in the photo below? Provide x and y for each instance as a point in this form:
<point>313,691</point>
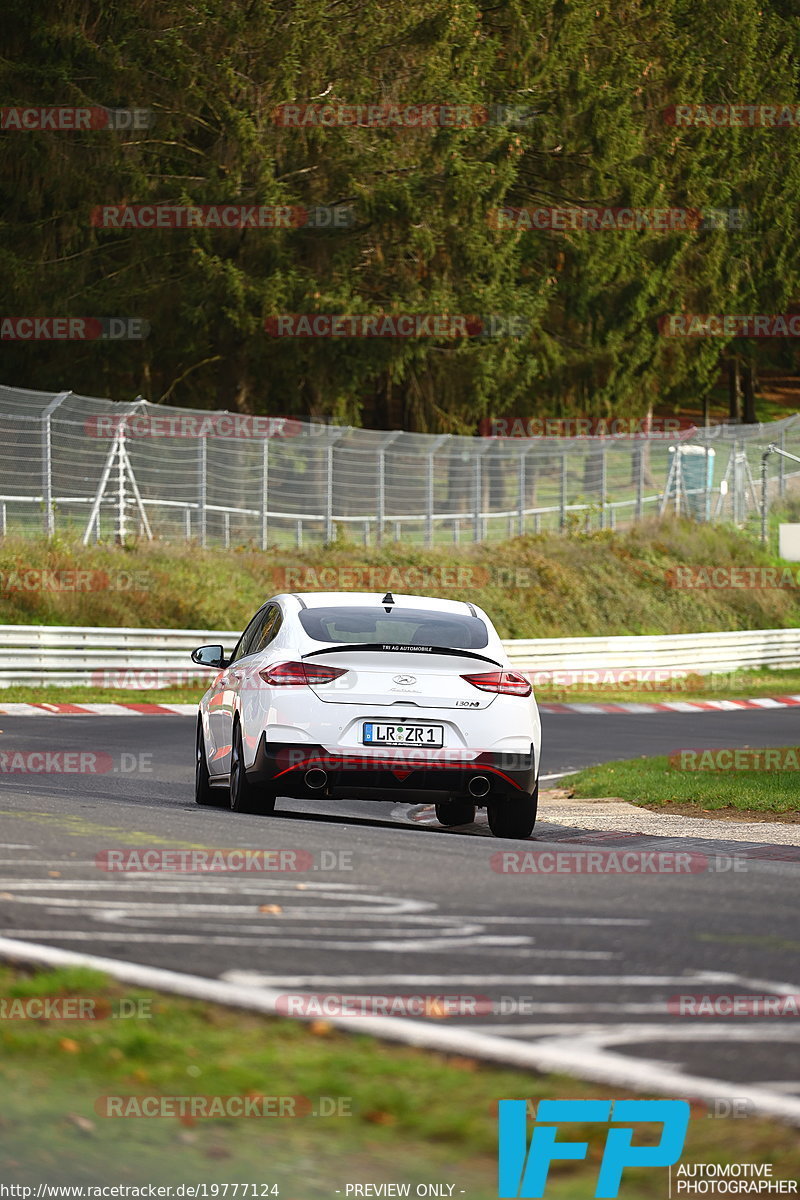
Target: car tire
<point>203,792</point>
<point>455,812</point>
<point>245,797</point>
<point>515,816</point>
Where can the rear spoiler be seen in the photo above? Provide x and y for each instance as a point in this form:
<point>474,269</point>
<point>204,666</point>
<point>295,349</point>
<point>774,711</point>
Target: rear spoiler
<point>399,648</point>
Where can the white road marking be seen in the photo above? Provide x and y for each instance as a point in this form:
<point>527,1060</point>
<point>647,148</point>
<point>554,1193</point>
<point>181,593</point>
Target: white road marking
<point>259,979</point>
<point>570,1058</point>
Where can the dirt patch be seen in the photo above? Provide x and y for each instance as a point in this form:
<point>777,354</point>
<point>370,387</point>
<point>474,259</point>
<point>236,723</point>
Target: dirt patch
<point>724,814</point>
<point>565,796</point>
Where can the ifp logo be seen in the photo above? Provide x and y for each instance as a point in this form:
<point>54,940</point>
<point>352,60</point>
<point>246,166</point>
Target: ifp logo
<point>523,1170</point>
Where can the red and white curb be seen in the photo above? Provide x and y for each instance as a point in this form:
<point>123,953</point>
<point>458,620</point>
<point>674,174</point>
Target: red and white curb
<point>681,706</point>
<point>97,710</point>
<point>189,710</point>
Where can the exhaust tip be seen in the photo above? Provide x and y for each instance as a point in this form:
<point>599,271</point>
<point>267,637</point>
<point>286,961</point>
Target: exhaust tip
<point>316,778</point>
<point>478,786</point>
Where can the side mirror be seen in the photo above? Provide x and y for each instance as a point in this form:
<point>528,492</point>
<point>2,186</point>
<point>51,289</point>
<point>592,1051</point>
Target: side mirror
<point>210,656</point>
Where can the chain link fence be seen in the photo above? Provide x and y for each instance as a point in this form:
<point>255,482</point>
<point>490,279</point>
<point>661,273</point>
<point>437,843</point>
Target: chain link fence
<point>96,469</point>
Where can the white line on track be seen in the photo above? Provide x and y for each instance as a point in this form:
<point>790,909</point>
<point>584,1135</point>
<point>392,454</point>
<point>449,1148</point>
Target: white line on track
<point>257,979</point>
<point>601,1066</point>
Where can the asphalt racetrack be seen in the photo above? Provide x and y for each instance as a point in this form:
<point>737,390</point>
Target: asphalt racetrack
<point>382,904</point>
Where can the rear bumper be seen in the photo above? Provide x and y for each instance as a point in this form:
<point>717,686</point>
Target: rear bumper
<point>283,766</point>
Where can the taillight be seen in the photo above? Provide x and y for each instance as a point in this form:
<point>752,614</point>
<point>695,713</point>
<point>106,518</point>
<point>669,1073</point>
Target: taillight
<point>299,674</point>
<point>507,683</point>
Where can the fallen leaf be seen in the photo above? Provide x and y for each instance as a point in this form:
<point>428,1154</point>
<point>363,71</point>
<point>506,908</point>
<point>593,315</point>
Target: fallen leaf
<point>69,1046</point>
<point>270,908</point>
<point>320,1028</point>
<point>379,1118</point>
<point>54,874</point>
<point>463,1064</point>
<point>82,1123</point>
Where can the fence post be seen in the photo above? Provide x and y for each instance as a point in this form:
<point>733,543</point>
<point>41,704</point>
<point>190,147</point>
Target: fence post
<point>264,482</point>
<point>121,498</point>
<point>522,482</point>
<point>380,508</point>
<point>603,482</point>
<point>478,496</point>
<point>429,500</point>
<point>202,489</point>
<point>562,501</point>
<point>47,463</point>
<point>329,488</point>
<point>781,472</point>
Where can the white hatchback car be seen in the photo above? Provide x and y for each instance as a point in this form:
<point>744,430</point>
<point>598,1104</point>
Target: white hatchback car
<point>346,694</point>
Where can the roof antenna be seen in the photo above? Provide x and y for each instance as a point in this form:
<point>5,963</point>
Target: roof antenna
<point>388,599</point>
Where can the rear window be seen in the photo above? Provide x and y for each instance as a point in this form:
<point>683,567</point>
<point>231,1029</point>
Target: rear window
<point>400,627</point>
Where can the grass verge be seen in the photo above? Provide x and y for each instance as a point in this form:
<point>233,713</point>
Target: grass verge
<point>26,694</point>
<point>415,1116</point>
<point>663,783</point>
<point>545,585</point>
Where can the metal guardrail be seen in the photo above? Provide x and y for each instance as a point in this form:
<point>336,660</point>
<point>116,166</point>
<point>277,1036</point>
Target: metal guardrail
<point>139,658</point>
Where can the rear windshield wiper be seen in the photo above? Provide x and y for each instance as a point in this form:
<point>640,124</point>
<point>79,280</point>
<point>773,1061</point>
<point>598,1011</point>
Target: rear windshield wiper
<point>402,648</point>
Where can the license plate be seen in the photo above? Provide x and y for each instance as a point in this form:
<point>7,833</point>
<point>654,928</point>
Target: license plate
<point>381,733</point>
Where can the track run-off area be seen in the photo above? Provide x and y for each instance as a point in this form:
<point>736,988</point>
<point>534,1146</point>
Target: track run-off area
<point>662,957</point>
